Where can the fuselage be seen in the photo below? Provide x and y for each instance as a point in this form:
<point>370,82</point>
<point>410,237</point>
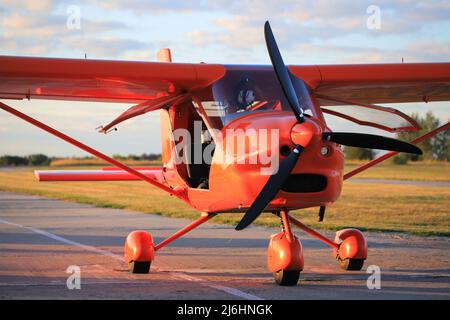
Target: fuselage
<point>251,132</point>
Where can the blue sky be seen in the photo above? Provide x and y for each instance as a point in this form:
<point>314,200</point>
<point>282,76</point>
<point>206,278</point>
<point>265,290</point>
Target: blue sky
<point>220,31</point>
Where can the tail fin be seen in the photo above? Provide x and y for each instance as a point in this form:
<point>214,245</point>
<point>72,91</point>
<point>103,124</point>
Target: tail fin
<point>164,55</point>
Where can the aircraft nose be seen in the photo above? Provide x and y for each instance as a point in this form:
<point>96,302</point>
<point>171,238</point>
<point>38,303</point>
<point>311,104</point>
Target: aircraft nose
<point>306,132</point>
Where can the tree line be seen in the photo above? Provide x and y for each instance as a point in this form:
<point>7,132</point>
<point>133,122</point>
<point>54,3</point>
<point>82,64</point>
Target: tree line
<point>437,148</point>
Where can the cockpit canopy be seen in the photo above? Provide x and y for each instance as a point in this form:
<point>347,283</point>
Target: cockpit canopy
<point>239,93</point>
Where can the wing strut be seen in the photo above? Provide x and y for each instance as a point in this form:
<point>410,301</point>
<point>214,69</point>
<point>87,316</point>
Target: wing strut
<point>375,161</point>
<point>94,152</point>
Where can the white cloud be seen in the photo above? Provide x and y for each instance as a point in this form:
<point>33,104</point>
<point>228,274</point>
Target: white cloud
<point>317,20</point>
<point>30,5</point>
<point>105,47</point>
<point>423,52</point>
<point>155,6</point>
<point>44,34</point>
<point>234,33</point>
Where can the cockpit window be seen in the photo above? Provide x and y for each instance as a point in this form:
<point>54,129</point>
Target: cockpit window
<point>239,93</point>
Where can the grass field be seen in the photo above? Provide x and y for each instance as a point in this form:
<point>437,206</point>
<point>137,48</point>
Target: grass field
<point>420,171</point>
<point>401,208</point>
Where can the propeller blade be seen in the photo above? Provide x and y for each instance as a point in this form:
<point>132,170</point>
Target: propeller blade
<point>363,140</point>
<point>271,188</point>
<point>282,73</point>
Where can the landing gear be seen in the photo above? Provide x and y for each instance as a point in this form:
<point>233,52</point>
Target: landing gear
<point>349,245</point>
<point>139,251</point>
<point>352,249</point>
<point>285,255</point>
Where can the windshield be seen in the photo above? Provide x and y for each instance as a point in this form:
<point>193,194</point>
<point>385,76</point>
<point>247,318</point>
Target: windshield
<point>240,92</point>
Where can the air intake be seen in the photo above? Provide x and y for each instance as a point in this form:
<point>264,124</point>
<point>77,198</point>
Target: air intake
<point>305,182</point>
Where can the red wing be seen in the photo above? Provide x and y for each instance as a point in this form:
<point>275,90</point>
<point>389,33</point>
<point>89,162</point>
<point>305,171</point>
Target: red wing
<point>100,80</point>
<point>351,91</point>
<point>379,83</point>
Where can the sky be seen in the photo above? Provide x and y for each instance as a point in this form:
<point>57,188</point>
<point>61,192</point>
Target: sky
<point>217,31</point>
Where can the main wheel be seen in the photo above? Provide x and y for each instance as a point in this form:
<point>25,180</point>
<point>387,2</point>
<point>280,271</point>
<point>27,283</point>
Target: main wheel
<point>139,266</point>
<point>139,251</point>
<point>351,264</point>
<point>286,277</point>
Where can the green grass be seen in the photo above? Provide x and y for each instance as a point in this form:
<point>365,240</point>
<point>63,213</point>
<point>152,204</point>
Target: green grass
<point>419,171</point>
<point>410,209</point>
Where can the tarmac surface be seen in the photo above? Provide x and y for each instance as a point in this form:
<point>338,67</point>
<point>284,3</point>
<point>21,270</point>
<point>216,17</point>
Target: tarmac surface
<point>41,238</point>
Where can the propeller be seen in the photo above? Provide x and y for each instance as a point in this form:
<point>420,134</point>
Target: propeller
<point>303,133</point>
<point>363,140</point>
<point>282,72</point>
<point>277,180</point>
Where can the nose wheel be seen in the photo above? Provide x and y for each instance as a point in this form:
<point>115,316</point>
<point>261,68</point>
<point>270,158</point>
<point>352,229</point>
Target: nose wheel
<point>285,255</point>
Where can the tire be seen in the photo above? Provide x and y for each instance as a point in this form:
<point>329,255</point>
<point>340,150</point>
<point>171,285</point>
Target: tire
<point>139,266</point>
<point>351,264</point>
<point>286,277</point>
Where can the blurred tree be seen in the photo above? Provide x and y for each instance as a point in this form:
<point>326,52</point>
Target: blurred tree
<point>118,156</point>
<point>38,160</point>
<point>352,153</point>
<point>436,148</point>
<point>8,160</point>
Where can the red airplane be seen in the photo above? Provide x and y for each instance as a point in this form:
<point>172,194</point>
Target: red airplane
<point>219,100</point>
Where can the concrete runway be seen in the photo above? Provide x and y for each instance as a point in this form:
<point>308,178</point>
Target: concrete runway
<point>40,238</point>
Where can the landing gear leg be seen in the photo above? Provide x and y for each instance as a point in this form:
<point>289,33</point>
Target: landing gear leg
<point>140,249</point>
<point>285,254</point>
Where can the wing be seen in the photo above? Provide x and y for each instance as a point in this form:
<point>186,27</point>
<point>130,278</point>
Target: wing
<point>100,80</point>
<point>351,91</point>
<point>378,83</point>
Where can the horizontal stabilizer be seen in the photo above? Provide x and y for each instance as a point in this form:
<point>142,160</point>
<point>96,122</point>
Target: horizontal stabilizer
<point>94,175</point>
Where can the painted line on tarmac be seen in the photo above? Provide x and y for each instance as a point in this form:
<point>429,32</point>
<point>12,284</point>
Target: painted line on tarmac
<point>64,240</point>
<point>232,291</point>
<point>180,275</point>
